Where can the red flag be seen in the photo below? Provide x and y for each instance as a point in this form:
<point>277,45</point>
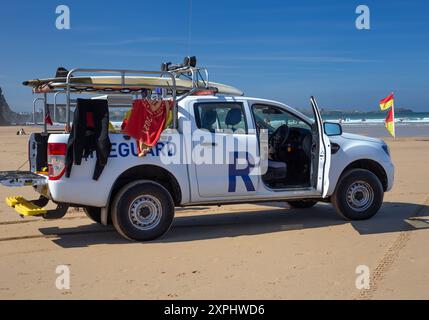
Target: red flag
<point>48,119</point>
<point>387,102</point>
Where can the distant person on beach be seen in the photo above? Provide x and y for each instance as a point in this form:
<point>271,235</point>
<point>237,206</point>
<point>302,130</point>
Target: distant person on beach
<point>21,132</point>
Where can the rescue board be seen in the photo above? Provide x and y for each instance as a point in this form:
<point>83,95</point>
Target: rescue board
<point>131,82</point>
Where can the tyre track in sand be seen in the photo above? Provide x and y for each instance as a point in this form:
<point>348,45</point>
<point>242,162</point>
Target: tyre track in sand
<point>110,229</point>
<point>390,256</point>
<point>5,223</point>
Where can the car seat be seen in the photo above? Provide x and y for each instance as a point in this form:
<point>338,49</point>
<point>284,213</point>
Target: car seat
<point>276,172</point>
<point>208,118</point>
<point>233,117</point>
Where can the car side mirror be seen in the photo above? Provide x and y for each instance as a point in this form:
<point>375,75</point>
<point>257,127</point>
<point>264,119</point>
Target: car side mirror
<point>332,129</point>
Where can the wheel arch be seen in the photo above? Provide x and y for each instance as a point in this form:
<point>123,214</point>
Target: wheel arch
<point>152,173</point>
<point>370,165</point>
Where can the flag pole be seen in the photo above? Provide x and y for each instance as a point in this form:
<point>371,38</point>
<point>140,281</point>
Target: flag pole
<point>393,114</point>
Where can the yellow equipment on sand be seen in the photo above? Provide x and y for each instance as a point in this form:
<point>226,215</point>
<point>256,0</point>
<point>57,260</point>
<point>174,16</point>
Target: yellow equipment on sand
<point>24,207</point>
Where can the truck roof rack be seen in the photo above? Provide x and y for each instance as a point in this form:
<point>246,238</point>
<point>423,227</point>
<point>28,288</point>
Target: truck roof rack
<point>199,77</point>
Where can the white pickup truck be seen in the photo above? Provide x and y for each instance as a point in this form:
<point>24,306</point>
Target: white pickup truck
<point>306,161</point>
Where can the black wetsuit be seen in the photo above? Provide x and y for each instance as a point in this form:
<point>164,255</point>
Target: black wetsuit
<point>89,133</point>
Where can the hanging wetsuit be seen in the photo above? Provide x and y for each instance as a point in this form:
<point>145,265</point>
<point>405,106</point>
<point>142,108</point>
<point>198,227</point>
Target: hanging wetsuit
<point>90,132</point>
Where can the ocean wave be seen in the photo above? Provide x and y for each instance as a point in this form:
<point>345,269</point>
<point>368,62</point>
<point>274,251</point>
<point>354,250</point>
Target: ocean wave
<point>381,121</point>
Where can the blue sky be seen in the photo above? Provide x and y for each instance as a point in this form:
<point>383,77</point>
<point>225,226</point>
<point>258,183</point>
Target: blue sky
<point>282,50</point>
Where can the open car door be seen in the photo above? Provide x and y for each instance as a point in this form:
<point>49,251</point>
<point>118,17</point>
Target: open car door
<point>320,153</point>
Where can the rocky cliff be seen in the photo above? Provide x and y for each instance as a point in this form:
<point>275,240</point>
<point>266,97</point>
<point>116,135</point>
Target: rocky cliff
<point>9,117</point>
<point>6,115</point>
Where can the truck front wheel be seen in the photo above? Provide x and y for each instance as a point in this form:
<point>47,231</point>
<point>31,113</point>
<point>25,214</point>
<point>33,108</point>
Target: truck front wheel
<point>94,213</point>
<point>358,195</point>
<point>142,211</point>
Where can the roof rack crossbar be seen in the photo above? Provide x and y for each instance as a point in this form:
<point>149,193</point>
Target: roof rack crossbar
<point>199,78</point>
<point>122,73</point>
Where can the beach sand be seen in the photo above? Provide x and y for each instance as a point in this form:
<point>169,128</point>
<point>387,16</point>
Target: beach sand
<point>240,252</point>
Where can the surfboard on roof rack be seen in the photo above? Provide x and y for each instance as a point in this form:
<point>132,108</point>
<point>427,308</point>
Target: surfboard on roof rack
<point>186,78</point>
<point>173,81</point>
<point>130,83</point>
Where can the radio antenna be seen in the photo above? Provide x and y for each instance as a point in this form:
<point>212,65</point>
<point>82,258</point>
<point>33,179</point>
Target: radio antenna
<point>189,27</point>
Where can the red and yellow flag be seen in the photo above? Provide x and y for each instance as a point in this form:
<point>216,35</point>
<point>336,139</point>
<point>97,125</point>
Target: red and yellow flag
<point>386,103</point>
<point>390,122</point>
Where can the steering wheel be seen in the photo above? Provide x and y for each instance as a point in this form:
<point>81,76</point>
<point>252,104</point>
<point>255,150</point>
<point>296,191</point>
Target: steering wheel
<point>279,137</point>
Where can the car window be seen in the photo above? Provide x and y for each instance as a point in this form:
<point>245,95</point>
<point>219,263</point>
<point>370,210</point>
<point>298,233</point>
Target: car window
<point>269,117</point>
<point>218,117</point>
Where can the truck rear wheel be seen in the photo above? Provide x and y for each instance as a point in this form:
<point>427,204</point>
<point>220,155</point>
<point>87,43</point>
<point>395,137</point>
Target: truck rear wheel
<point>142,210</point>
<point>358,195</point>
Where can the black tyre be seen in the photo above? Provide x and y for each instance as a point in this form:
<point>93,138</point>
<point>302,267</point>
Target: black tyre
<point>358,195</point>
<point>142,210</point>
<point>94,213</point>
<point>302,204</point>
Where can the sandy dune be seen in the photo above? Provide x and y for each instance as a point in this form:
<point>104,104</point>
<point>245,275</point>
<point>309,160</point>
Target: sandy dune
<point>241,252</point>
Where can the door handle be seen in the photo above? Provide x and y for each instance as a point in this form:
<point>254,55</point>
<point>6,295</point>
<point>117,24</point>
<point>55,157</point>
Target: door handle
<point>209,144</point>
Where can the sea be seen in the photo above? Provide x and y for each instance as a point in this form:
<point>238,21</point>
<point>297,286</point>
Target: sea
<point>413,124</point>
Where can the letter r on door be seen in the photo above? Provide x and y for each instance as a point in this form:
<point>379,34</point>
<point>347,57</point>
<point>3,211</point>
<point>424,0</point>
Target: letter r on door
<point>234,173</point>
